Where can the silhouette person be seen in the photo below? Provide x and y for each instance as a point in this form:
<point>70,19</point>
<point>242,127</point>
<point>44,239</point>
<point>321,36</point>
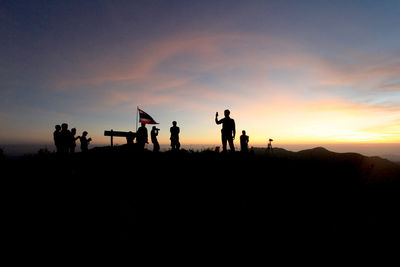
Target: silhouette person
<point>154,133</point>
<point>244,142</point>
<point>142,136</point>
<point>228,130</point>
<point>72,140</point>
<point>85,142</point>
<point>64,138</point>
<point>129,138</point>
<point>175,145</point>
<point>57,138</point>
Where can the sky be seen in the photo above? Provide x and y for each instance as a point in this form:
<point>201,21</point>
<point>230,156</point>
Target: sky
<point>295,71</point>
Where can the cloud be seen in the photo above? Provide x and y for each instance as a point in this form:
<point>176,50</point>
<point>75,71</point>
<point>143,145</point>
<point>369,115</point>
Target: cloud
<point>367,72</point>
<point>391,87</point>
<point>261,76</point>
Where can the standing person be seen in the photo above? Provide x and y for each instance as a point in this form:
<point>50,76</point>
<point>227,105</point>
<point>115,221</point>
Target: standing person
<point>72,140</point>
<point>154,133</point>
<point>228,131</point>
<point>84,142</point>
<point>175,145</point>
<point>64,138</point>
<point>244,142</point>
<point>142,136</point>
<point>130,137</point>
<point>56,136</point>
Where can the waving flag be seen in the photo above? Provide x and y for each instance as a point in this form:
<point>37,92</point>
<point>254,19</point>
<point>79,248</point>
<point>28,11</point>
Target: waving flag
<point>145,118</point>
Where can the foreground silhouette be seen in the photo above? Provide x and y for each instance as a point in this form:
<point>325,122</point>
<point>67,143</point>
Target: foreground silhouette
<point>142,136</point>
<point>154,134</point>
<point>57,138</point>
<point>85,141</point>
<point>228,130</point>
<point>117,194</point>
<point>65,140</point>
<point>244,142</point>
<point>72,141</point>
<point>174,130</point>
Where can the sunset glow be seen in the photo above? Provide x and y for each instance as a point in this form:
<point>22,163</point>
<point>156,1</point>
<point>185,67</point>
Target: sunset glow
<point>295,71</point>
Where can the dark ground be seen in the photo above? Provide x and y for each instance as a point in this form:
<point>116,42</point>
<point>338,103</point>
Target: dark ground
<point>122,197</point>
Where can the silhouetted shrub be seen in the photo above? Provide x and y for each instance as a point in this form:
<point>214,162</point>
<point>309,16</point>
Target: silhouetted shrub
<point>44,152</point>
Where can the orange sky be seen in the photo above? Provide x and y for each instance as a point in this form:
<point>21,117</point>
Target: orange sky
<point>297,73</point>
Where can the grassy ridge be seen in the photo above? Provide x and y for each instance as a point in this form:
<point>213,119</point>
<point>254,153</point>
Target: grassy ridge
<point>124,195</point>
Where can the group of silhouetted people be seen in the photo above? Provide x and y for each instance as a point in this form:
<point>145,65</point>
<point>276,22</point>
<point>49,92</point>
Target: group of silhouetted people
<point>65,140</point>
<point>228,133</point>
<point>142,137</point>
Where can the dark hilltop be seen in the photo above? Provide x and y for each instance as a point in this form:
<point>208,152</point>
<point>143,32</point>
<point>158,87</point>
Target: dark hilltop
<point>123,195</point>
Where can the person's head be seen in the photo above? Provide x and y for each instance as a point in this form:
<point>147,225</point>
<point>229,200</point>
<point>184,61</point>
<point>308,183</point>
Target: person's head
<point>227,112</point>
<point>64,126</point>
<point>73,130</point>
<point>154,128</point>
<point>244,132</point>
<point>143,124</point>
<point>84,133</point>
<point>174,123</point>
<point>58,127</point>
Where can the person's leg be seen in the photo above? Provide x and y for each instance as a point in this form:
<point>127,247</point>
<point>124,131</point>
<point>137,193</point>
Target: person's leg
<point>175,145</point>
<point>141,145</point>
<point>223,143</point>
<point>231,145</point>
<point>156,147</point>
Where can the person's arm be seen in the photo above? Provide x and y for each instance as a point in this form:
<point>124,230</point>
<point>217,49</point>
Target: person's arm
<point>216,119</point>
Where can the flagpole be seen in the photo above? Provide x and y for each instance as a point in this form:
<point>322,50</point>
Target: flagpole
<point>137,115</point>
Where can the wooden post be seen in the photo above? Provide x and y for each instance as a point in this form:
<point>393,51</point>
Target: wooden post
<point>112,138</point>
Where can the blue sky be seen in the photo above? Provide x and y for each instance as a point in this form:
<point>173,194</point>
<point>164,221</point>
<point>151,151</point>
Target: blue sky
<point>298,71</point>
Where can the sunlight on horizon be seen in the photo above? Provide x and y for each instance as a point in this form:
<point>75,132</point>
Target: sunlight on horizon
<point>295,72</point>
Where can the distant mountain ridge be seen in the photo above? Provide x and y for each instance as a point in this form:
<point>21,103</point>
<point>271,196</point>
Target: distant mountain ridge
<point>373,169</point>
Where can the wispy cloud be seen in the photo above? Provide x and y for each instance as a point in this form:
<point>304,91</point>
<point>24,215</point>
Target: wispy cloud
<point>178,61</point>
<point>391,87</point>
<point>272,80</point>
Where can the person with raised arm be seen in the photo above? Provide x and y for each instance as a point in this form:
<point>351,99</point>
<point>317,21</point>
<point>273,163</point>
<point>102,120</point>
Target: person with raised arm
<point>228,131</point>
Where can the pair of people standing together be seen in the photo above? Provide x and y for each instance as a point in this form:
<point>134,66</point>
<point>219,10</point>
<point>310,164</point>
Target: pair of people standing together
<point>228,133</point>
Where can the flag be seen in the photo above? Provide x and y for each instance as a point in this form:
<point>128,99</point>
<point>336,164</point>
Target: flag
<point>145,118</point>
